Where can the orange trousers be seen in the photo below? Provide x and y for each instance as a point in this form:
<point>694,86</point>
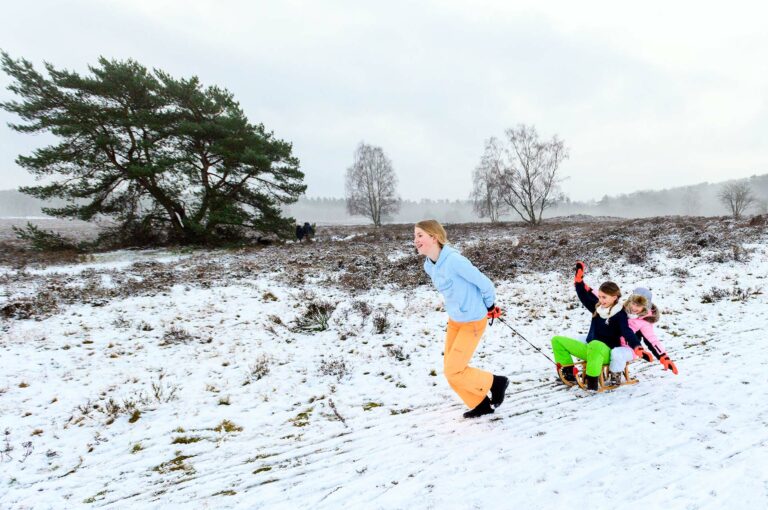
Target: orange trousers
<point>461,339</point>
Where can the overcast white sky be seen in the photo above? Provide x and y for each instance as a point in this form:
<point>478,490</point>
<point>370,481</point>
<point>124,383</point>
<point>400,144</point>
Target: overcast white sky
<point>645,96</point>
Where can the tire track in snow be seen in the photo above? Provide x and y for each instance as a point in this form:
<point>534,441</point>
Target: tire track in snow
<point>329,459</point>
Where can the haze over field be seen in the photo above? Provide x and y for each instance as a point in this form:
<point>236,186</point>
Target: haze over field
<point>699,200</point>
<point>651,97</point>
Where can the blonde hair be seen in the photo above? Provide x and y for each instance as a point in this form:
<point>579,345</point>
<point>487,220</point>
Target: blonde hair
<point>434,229</point>
<point>637,299</point>
<point>653,312</point>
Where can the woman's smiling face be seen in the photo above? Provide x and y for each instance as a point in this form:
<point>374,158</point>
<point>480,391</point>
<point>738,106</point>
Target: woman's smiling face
<point>423,242</point>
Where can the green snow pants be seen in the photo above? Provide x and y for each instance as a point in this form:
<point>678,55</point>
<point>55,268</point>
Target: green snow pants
<point>595,353</point>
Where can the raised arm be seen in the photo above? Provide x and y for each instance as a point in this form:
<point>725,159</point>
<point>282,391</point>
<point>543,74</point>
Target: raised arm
<point>586,297</point>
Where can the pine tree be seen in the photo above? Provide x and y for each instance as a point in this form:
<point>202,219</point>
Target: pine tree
<point>164,157</point>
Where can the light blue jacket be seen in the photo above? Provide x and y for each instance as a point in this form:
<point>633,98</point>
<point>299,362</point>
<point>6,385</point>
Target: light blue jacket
<point>468,293</point>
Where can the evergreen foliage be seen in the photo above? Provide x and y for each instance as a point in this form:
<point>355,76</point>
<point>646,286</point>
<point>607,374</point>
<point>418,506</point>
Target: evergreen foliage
<point>45,240</point>
<point>165,158</point>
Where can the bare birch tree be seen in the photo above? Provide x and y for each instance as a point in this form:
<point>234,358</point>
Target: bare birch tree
<point>527,171</point>
<point>737,197</point>
<point>486,192</point>
<point>371,185</point>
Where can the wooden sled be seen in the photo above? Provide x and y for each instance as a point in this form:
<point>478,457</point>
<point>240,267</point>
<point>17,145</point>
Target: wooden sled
<point>581,379</point>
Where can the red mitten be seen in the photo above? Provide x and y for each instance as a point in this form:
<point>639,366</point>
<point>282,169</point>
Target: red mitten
<point>580,268</point>
<point>668,363</point>
<point>494,312</point>
<point>642,353</point>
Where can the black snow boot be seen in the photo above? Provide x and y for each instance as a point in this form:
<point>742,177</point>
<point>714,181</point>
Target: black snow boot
<point>498,388</point>
<point>568,373</point>
<point>483,408</point>
<point>593,383</point>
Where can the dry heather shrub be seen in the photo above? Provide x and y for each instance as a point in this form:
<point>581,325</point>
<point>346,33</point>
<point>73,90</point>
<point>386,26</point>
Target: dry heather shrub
<point>16,255</point>
<point>405,273</point>
<point>637,254</point>
<point>497,260</point>
<point>680,272</point>
<point>739,294</point>
<point>363,308</point>
<point>334,366</point>
<point>175,336</point>
<point>316,317</point>
<point>42,305</point>
<point>735,294</point>
<point>260,368</point>
<point>735,253</point>
<point>396,352</point>
<point>381,322</point>
<point>355,281</point>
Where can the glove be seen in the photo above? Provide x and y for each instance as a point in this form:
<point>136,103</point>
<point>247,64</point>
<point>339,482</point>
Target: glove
<point>494,312</point>
<point>642,353</point>
<point>580,268</point>
<point>668,363</point>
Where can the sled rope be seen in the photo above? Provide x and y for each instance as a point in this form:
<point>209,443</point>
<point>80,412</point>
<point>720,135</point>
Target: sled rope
<point>529,343</point>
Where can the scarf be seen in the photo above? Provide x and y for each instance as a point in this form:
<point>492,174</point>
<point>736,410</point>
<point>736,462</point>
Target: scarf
<point>607,313</point>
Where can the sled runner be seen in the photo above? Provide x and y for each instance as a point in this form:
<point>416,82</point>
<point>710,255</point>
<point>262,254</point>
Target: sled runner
<point>604,380</point>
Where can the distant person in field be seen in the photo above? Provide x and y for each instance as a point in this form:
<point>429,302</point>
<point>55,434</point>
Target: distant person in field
<point>299,232</point>
<point>469,300</point>
<point>309,232</point>
<point>609,324</point>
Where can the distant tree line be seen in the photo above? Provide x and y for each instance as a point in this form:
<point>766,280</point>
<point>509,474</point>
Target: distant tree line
<point>698,200</point>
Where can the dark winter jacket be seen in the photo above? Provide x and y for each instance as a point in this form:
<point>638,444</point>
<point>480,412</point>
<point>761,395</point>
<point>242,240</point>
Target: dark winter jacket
<point>611,330</point>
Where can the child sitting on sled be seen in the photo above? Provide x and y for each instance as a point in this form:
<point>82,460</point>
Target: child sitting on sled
<point>609,325</point>
<point>642,314</point>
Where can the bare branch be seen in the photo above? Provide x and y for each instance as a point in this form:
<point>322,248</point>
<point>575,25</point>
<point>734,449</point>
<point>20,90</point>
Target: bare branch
<point>737,197</point>
<point>527,171</point>
<point>371,185</point>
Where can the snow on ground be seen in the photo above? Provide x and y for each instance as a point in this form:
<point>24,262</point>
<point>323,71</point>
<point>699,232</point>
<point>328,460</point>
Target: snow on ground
<point>208,398</point>
<point>114,261</point>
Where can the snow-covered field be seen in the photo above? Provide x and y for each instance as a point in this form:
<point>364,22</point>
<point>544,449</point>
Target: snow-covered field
<point>206,393</point>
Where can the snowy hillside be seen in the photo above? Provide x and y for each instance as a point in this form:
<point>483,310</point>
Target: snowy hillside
<point>185,379</point>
